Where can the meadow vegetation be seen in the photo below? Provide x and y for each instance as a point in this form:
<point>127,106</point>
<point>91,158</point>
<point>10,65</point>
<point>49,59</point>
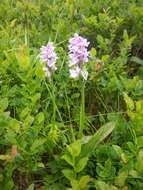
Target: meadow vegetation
<point>72,123</point>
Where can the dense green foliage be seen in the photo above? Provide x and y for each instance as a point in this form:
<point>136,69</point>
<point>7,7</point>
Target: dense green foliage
<point>41,145</point>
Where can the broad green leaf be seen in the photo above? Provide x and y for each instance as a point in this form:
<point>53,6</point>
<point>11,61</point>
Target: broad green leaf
<point>99,136</point>
<point>3,104</point>
<point>129,102</point>
<point>74,184</point>
<point>133,173</point>
<point>35,98</point>
<point>112,187</point>
<point>81,164</point>
<point>120,153</point>
<point>22,56</point>
<point>101,185</point>
<point>140,141</point>
<point>28,120</point>
<point>121,178</point>
<point>69,174</point>
<point>139,163</point>
<point>125,35</point>
<point>68,158</point>
<point>93,52</point>
<point>25,112</point>
<point>40,117</point>
<point>84,181</point>
<point>15,126</point>
<point>39,71</point>
<point>117,149</point>
<point>74,148</point>
<point>37,143</point>
<point>105,58</point>
<point>139,106</point>
<point>40,165</point>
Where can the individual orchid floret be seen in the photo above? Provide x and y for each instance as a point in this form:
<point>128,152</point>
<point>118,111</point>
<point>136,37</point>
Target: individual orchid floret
<point>84,74</point>
<point>78,56</point>
<point>74,73</point>
<point>49,57</point>
<point>47,72</point>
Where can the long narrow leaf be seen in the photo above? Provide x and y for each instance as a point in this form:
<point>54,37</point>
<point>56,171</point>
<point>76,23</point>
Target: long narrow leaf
<point>98,137</point>
<point>137,60</point>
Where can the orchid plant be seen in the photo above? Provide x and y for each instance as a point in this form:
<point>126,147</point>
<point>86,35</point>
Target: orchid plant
<point>78,58</point>
<point>49,57</point>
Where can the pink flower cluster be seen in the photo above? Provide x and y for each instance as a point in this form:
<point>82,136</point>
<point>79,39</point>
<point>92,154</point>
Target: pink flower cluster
<point>49,57</point>
<point>78,56</point>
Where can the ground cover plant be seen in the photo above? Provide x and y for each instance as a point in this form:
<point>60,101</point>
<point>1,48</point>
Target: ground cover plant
<point>71,95</point>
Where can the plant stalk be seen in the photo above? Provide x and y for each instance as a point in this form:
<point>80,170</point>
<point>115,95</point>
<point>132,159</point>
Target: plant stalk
<point>82,111</point>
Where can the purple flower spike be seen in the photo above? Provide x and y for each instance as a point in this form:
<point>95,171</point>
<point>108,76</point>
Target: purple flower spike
<point>49,57</point>
<point>78,56</point>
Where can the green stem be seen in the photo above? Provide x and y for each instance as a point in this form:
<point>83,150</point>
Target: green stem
<point>68,106</point>
<point>54,102</point>
<point>82,111</point>
<point>55,108</point>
